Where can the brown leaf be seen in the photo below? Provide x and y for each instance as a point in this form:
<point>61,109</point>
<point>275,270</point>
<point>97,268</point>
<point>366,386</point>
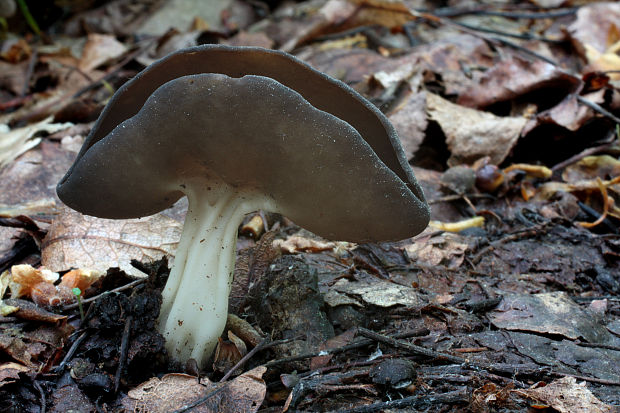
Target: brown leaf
<point>472,134</point>
<point>9,372</point>
<point>99,49</point>
<point>32,312</point>
<point>547,313</point>
<point>17,141</point>
<point>243,394</point>
<point>565,395</point>
<point>409,120</point>
<point>296,243</point>
<point>78,241</point>
<point>515,77</point>
<point>596,25</point>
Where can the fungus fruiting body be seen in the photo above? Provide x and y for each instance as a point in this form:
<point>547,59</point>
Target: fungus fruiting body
<point>236,130</point>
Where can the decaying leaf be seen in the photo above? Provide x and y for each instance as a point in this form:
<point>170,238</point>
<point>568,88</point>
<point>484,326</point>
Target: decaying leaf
<point>444,249</point>
<point>515,77</point>
<point>99,49</point>
<point>78,241</point>
<point>9,372</point>
<point>24,277</point>
<point>243,394</point>
<point>5,309</point>
<point>17,141</point>
<point>472,134</point>
<point>547,313</point>
<point>379,293</point>
<point>296,243</point>
<point>565,395</point>
<point>596,34</point>
<point>410,122</point>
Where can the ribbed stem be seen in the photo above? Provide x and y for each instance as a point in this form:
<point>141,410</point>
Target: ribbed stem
<point>195,298</point>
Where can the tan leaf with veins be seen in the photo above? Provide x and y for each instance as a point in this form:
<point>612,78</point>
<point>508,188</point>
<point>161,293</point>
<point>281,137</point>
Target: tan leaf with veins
<point>79,241</point>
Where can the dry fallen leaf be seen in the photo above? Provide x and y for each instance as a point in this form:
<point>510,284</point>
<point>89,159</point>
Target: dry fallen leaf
<point>79,241</point>
<point>472,134</point>
<point>515,77</point>
<point>444,249</point>
<point>565,395</point>
<point>296,243</point>
<point>596,25</point>
<point>17,141</point>
<point>409,120</point>
<point>547,313</point>
<point>99,49</point>
<point>25,277</point>
<point>243,394</point>
<point>379,293</point>
<point>9,372</point>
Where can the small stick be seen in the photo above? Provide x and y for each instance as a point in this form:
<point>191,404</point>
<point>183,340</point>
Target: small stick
<point>411,348</point>
<point>123,356</point>
<point>71,351</point>
<point>201,400</point>
<point>355,345</point>
<point>244,359</point>
<point>115,290</point>
<point>457,396</point>
<point>37,386</point>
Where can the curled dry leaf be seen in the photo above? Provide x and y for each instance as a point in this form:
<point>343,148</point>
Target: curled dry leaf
<point>472,134</point>
<point>5,309</point>
<point>515,77</point>
<point>99,49</point>
<point>79,241</point>
<point>444,249</point>
<point>596,34</point>
<point>228,353</point>
<point>565,395</point>
<point>9,372</point>
<point>17,141</point>
<point>296,243</point>
<point>409,119</point>
<point>25,277</point>
<point>243,394</point>
<point>380,293</point>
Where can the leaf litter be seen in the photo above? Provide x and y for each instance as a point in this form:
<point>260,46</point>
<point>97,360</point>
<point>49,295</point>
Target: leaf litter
<point>509,116</point>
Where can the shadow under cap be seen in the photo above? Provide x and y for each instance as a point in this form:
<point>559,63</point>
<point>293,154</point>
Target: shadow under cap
<point>254,135</point>
<point>323,92</point>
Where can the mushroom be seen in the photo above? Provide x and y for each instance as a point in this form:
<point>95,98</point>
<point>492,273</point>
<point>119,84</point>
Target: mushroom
<point>237,129</point>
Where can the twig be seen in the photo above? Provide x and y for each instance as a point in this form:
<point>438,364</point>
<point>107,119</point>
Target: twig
<point>455,12</point>
<point>244,359</point>
<point>115,290</point>
<point>43,402</point>
<point>527,51</point>
<point>342,349</point>
<point>592,379</point>
<point>530,232</point>
<point>457,396</point>
<point>201,400</point>
<point>598,108</point>
<point>123,353</point>
<point>411,348</point>
<point>71,351</point>
<point>526,36</point>
<point>609,142</point>
<point>457,197</point>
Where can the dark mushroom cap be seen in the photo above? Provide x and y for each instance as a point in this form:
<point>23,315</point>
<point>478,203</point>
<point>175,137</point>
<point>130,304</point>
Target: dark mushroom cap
<point>260,121</point>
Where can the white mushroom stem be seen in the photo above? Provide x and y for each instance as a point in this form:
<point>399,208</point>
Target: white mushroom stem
<point>195,298</point>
